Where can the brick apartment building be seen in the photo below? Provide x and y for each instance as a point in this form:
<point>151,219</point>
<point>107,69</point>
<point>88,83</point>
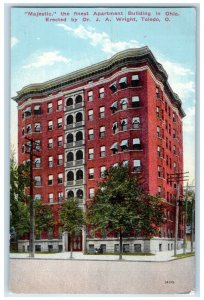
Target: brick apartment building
<point>121,110</point>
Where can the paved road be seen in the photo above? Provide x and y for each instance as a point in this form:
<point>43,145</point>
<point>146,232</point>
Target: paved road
<point>50,276</point>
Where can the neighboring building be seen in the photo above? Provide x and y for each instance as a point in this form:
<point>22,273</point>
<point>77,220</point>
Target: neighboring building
<point>119,110</point>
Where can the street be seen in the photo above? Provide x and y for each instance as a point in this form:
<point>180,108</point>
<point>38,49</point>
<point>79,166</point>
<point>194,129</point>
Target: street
<point>50,276</point>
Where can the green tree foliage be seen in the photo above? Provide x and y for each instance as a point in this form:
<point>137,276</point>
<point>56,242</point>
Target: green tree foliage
<point>71,218</point>
<point>44,218</point>
<point>121,205</point>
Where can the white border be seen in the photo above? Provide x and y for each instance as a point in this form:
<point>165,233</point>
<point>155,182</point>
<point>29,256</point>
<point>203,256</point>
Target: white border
<point>4,121</point>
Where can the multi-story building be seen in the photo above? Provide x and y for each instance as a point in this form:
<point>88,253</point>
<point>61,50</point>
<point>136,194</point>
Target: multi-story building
<point>121,110</point>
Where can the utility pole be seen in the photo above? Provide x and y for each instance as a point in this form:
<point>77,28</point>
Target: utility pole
<point>185,219</point>
<point>193,222</point>
<point>31,206</point>
<point>177,178</point>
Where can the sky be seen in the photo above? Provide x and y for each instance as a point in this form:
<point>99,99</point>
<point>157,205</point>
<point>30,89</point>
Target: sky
<point>42,50</point>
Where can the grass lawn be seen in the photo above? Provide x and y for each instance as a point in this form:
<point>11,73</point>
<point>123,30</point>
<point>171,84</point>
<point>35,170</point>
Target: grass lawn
<point>182,255</point>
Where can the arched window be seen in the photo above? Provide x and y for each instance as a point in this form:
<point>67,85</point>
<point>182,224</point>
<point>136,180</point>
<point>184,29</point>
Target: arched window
<point>78,99</point>
<point>70,156</point>
<point>79,174</point>
<point>79,154</point>
<point>79,136</point>
<point>70,176</point>
<point>69,102</point>
<point>79,117</point>
<point>70,138</point>
<point>70,194</point>
<point>69,120</point>
<point>79,194</point>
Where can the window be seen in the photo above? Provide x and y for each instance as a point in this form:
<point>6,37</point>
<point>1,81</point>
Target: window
<point>70,120</point>
<point>27,112</point>
<point>37,181</point>
<point>136,122</point>
<point>157,92</point>
<point>60,159</point>
<point>135,80</point>
<point>136,144</point>
<point>114,107</point>
<point>102,171</point>
<point>124,124</point>
<point>79,136</point>
<point>125,163</point>
<point>124,103</point>
<point>49,107</point>
<point>167,160</point>
<point>90,96</point>
<point>50,198</point>
<point>91,134</point>
<point>159,173</point>
<point>169,112</point>
<point>102,151</point>
<point>175,167</point>
<point>79,175</point>
<point>114,148</point>
<point>70,176</point>
<point>170,145</point>
<point>37,127</point>
<point>28,128</point>
<point>101,92</point>
<point>50,125</point>
<point>70,157</point>
<point>102,131</point>
<point>79,155</point>
<point>167,143</point>
<point>174,117</point>
<point>124,145</point>
<point>126,248</point>
<point>78,100</point>
<point>174,149</point>
<point>37,145</point>
<point>59,141</point>
<point>137,248</point>
<point>91,193</point>
<point>59,105</point>
<point>70,139</point>
<point>37,162</point>
<point>37,110</point>
<point>159,190</point>
<point>174,133</point>
<point>91,153</point>
<point>69,102</point>
<point>90,115</point>
<point>91,173</point>
<point>79,117</point>
<point>136,166</point>
<point>50,143</point>
<point>50,161</point>
<point>23,131</point>
<point>157,112</point>
<point>123,82</point>
<point>37,197</point>
<point>115,127</point>
<point>159,151</point>
<point>169,128</point>
<point>60,178</point>
<point>113,87</point>
<point>59,123</point>
<point>102,112</point>
<point>135,101</point>
<point>50,179</point>
<point>158,131</point>
<point>70,194</point>
<point>28,147</point>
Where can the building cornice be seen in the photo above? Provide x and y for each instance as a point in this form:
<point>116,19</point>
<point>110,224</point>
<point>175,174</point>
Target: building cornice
<point>119,60</point>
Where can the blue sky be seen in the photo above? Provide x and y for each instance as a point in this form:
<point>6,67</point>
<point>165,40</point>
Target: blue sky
<point>43,50</point>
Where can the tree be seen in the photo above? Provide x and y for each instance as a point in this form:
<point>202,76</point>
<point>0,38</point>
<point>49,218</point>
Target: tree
<point>19,182</point>
<point>72,218</point>
<point>120,205</point>
<point>44,218</point>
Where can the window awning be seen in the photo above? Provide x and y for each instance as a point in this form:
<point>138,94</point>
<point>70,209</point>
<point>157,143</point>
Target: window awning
<point>136,120</point>
<point>136,141</point>
<point>28,109</point>
<point>124,101</point>
<point>135,77</point>
<point>124,143</point>
<point>124,122</point>
<point>123,80</point>
<point>135,99</point>
<point>113,85</point>
<point>115,125</point>
<point>114,105</point>
<point>114,146</point>
<point>37,107</point>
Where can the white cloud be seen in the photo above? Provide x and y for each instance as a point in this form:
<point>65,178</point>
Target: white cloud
<point>46,59</point>
<point>189,120</point>
<point>14,41</point>
<point>101,39</point>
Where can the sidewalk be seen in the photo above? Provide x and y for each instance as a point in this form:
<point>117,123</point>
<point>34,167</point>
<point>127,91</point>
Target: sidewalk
<point>158,257</point>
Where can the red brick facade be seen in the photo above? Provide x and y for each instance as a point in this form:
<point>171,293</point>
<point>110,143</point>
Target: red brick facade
<point>120,110</point>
